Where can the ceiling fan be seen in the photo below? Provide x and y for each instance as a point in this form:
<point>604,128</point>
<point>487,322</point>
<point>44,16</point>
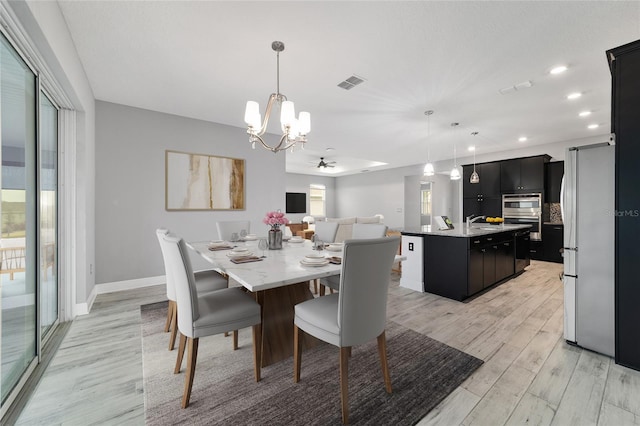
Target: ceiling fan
<point>325,164</point>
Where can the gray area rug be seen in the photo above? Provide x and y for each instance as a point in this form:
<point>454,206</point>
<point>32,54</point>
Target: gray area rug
<point>423,372</point>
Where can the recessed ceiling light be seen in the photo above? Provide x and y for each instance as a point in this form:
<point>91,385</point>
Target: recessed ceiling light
<point>585,113</point>
<point>471,148</point>
<point>593,126</point>
<point>558,70</point>
<point>575,95</point>
<point>330,149</point>
<point>522,139</point>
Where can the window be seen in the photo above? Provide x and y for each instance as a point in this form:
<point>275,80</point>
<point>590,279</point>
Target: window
<point>317,200</point>
<point>425,202</point>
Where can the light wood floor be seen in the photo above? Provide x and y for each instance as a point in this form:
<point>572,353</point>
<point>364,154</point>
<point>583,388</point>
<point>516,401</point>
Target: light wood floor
<point>530,375</point>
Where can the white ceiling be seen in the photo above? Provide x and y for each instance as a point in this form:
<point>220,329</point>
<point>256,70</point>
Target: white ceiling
<point>205,59</point>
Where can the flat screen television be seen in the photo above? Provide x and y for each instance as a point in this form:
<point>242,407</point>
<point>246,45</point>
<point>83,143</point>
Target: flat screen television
<point>296,202</point>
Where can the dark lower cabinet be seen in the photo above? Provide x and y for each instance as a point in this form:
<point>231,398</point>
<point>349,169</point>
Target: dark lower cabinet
<point>552,238</point>
<point>476,270</point>
<point>536,250</point>
<point>505,260</point>
<point>457,268</point>
<point>489,265</point>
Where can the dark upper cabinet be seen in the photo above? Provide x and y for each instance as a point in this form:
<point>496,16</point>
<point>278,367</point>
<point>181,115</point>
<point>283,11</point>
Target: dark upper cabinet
<point>624,62</point>
<point>523,174</point>
<point>482,207</point>
<point>489,185</point>
<point>553,180</point>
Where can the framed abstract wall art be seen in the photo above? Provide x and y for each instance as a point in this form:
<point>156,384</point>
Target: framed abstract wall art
<point>203,182</point>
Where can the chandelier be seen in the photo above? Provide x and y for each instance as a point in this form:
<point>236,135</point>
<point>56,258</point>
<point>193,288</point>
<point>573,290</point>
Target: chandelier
<point>294,131</point>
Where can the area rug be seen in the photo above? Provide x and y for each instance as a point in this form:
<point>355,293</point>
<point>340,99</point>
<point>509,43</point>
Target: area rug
<point>423,372</point>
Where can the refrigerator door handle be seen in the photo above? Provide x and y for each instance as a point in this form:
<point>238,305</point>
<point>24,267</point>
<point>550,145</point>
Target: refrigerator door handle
<point>562,200</point>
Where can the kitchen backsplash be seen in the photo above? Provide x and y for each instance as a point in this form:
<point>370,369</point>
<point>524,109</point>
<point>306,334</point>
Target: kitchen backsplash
<point>554,213</point>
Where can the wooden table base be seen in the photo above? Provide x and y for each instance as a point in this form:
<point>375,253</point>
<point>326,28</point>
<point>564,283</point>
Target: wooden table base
<point>277,321</point>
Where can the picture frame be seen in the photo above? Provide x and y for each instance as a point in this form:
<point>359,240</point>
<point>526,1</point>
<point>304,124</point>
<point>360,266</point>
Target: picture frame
<point>203,182</point>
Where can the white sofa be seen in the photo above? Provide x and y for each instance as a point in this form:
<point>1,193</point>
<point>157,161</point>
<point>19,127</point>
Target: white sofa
<point>345,225</point>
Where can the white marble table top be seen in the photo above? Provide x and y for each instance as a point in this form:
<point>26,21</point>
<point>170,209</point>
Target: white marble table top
<point>279,268</point>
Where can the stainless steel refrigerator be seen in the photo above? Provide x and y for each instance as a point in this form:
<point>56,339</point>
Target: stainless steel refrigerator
<point>587,199</point>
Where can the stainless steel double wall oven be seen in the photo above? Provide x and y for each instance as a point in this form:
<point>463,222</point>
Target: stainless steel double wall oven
<point>524,209</point>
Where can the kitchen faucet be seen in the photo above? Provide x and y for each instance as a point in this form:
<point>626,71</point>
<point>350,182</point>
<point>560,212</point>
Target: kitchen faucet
<point>471,219</point>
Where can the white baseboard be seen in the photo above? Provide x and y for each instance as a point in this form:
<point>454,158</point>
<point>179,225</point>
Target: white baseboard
<point>85,308</point>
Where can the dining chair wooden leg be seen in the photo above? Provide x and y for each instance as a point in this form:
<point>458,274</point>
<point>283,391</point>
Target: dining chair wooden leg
<point>174,327</point>
<point>192,355</point>
<point>330,290</point>
<point>181,346</point>
<point>297,349</point>
<point>257,349</point>
<point>382,350</point>
<point>344,385</point>
<point>315,286</point>
<point>235,339</point>
<point>322,289</point>
<point>167,324</point>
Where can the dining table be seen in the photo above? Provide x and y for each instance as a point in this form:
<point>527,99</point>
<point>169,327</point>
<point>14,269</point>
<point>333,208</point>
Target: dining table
<point>279,279</point>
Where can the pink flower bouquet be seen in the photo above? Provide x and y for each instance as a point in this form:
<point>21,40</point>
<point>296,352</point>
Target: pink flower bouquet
<point>275,220</point>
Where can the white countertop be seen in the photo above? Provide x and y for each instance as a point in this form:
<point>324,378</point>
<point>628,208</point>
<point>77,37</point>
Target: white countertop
<point>461,231</point>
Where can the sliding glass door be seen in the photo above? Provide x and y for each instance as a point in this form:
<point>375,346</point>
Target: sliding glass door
<point>18,253</point>
<point>29,287</point>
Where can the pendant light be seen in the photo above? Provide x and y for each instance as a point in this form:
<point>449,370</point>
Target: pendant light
<point>455,173</point>
<point>475,178</point>
<point>428,168</point>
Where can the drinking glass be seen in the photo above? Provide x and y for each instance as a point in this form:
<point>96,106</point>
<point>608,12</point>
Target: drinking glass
<point>243,233</point>
<point>318,244</point>
<point>234,237</point>
<point>262,245</point>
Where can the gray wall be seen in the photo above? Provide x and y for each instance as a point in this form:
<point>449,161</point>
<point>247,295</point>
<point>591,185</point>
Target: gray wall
<point>300,183</point>
<point>47,29</point>
<point>130,186</point>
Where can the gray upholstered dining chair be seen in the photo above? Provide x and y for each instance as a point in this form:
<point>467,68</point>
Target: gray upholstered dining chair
<point>356,314</point>
<point>360,231</point>
<point>213,313</point>
<point>229,227</point>
<point>206,281</point>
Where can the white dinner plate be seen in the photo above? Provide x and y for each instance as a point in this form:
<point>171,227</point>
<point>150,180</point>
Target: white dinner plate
<point>315,256</point>
<point>248,238</point>
<point>334,247</point>
<point>323,263</point>
<point>292,240</point>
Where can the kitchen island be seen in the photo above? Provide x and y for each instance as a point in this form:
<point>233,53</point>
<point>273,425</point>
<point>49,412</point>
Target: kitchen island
<point>458,263</point>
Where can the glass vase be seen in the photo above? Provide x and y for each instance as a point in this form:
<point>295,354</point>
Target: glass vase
<point>275,239</point>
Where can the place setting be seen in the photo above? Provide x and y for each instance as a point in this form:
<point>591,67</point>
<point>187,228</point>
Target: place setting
<point>296,239</point>
<point>220,245</point>
<point>314,260</point>
<point>334,247</point>
<point>243,255</point>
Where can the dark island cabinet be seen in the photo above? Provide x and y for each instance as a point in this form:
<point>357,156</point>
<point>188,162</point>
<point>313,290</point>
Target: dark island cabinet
<point>523,175</point>
<point>624,62</point>
<point>461,267</point>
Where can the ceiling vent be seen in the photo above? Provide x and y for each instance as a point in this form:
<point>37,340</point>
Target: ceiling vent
<point>518,86</point>
<point>351,82</point>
